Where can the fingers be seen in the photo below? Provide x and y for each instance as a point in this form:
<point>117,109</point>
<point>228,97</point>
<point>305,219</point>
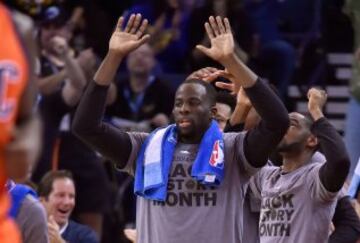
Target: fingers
<point>142,28</point>
<point>220,24</point>
<point>203,49</point>
<point>130,23</point>
<point>211,77</point>
<point>227,25</point>
<point>316,92</point>
<point>227,86</point>
<point>214,26</point>
<point>209,31</point>
<point>144,39</point>
<point>217,26</point>
<point>119,24</point>
<point>226,75</point>
<point>136,24</point>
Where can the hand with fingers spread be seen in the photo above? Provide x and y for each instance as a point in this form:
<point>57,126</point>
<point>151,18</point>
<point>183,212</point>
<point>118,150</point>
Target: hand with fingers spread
<point>123,41</point>
<point>317,99</point>
<point>221,39</point>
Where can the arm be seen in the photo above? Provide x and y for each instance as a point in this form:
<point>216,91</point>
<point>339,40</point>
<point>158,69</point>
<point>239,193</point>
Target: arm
<point>275,121</point>
<point>334,172</point>
<point>75,85</point>
<point>242,108</point>
<point>76,81</point>
<point>48,85</point>
<point>22,152</point>
<point>32,221</point>
<point>346,222</point>
<point>87,124</point>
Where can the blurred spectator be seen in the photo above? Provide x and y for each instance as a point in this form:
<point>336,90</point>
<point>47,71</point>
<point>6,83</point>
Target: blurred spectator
<point>62,79</point>
<point>57,193</point>
<point>352,125</point>
<point>274,55</point>
<point>143,101</point>
<point>19,125</point>
<point>28,212</point>
<point>169,22</point>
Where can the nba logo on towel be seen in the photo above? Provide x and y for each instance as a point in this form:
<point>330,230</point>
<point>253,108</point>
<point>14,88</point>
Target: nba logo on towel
<point>217,155</point>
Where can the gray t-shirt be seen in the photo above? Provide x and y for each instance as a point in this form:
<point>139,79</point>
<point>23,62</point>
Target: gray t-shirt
<point>32,221</point>
<point>295,207</point>
<point>193,212</point>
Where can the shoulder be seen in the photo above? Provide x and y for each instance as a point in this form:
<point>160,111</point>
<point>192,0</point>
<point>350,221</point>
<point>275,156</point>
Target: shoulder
<point>230,137</point>
<point>82,233</point>
<point>32,203</point>
<point>137,137</point>
<point>24,23</point>
<point>31,210</point>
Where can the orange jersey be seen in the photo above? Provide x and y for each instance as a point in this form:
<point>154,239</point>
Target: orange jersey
<point>14,74</point>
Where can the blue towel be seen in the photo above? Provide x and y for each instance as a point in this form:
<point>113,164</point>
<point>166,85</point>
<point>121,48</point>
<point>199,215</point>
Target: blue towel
<point>154,161</point>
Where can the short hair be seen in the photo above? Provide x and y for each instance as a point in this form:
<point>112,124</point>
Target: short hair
<point>46,184</point>
<point>210,90</point>
<point>224,97</point>
<point>308,120</point>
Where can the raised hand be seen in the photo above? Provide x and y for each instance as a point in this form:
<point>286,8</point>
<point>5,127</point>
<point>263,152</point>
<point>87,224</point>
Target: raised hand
<point>221,39</point>
<point>208,74</point>
<point>59,45</point>
<point>124,41</point>
<point>234,87</point>
<point>317,99</point>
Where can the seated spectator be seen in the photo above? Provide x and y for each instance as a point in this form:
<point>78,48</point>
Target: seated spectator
<point>143,101</point>
<point>57,194</point>
<point>28,212</point>
<point>274,56</point>
<point>61,82</point>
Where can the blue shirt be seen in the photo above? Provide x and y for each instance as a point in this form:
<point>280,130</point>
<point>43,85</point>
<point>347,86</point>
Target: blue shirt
<point>78,233</point>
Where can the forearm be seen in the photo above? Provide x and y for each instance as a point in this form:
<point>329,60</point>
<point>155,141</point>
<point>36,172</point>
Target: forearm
<point>88,126</point>
<point>48,85</point>
<point>263,139</point>
<point>239,70</point>
<point>75,73</point>
<point>239,114</point>
<point>107,70</point>
<point>334,172</point>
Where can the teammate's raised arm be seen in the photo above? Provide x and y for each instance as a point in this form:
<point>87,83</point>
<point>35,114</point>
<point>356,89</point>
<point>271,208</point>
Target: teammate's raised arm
<point>87,124</point>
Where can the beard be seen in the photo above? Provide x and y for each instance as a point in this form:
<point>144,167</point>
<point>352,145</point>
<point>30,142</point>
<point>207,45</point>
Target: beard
<point>284,147</point>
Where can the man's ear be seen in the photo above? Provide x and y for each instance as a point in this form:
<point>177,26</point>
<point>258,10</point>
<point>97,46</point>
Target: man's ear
<point>312,141</point>
<point>42,199</point>
<point>213,112</point>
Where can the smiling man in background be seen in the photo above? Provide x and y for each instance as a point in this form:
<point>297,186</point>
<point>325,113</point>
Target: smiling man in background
<point>57,193</point>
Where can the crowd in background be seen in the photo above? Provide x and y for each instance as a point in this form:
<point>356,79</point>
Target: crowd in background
<point>283,41</point>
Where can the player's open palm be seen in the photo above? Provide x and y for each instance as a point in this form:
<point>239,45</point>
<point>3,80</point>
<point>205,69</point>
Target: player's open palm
<point>221,39</point>
<point>123,41</point>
